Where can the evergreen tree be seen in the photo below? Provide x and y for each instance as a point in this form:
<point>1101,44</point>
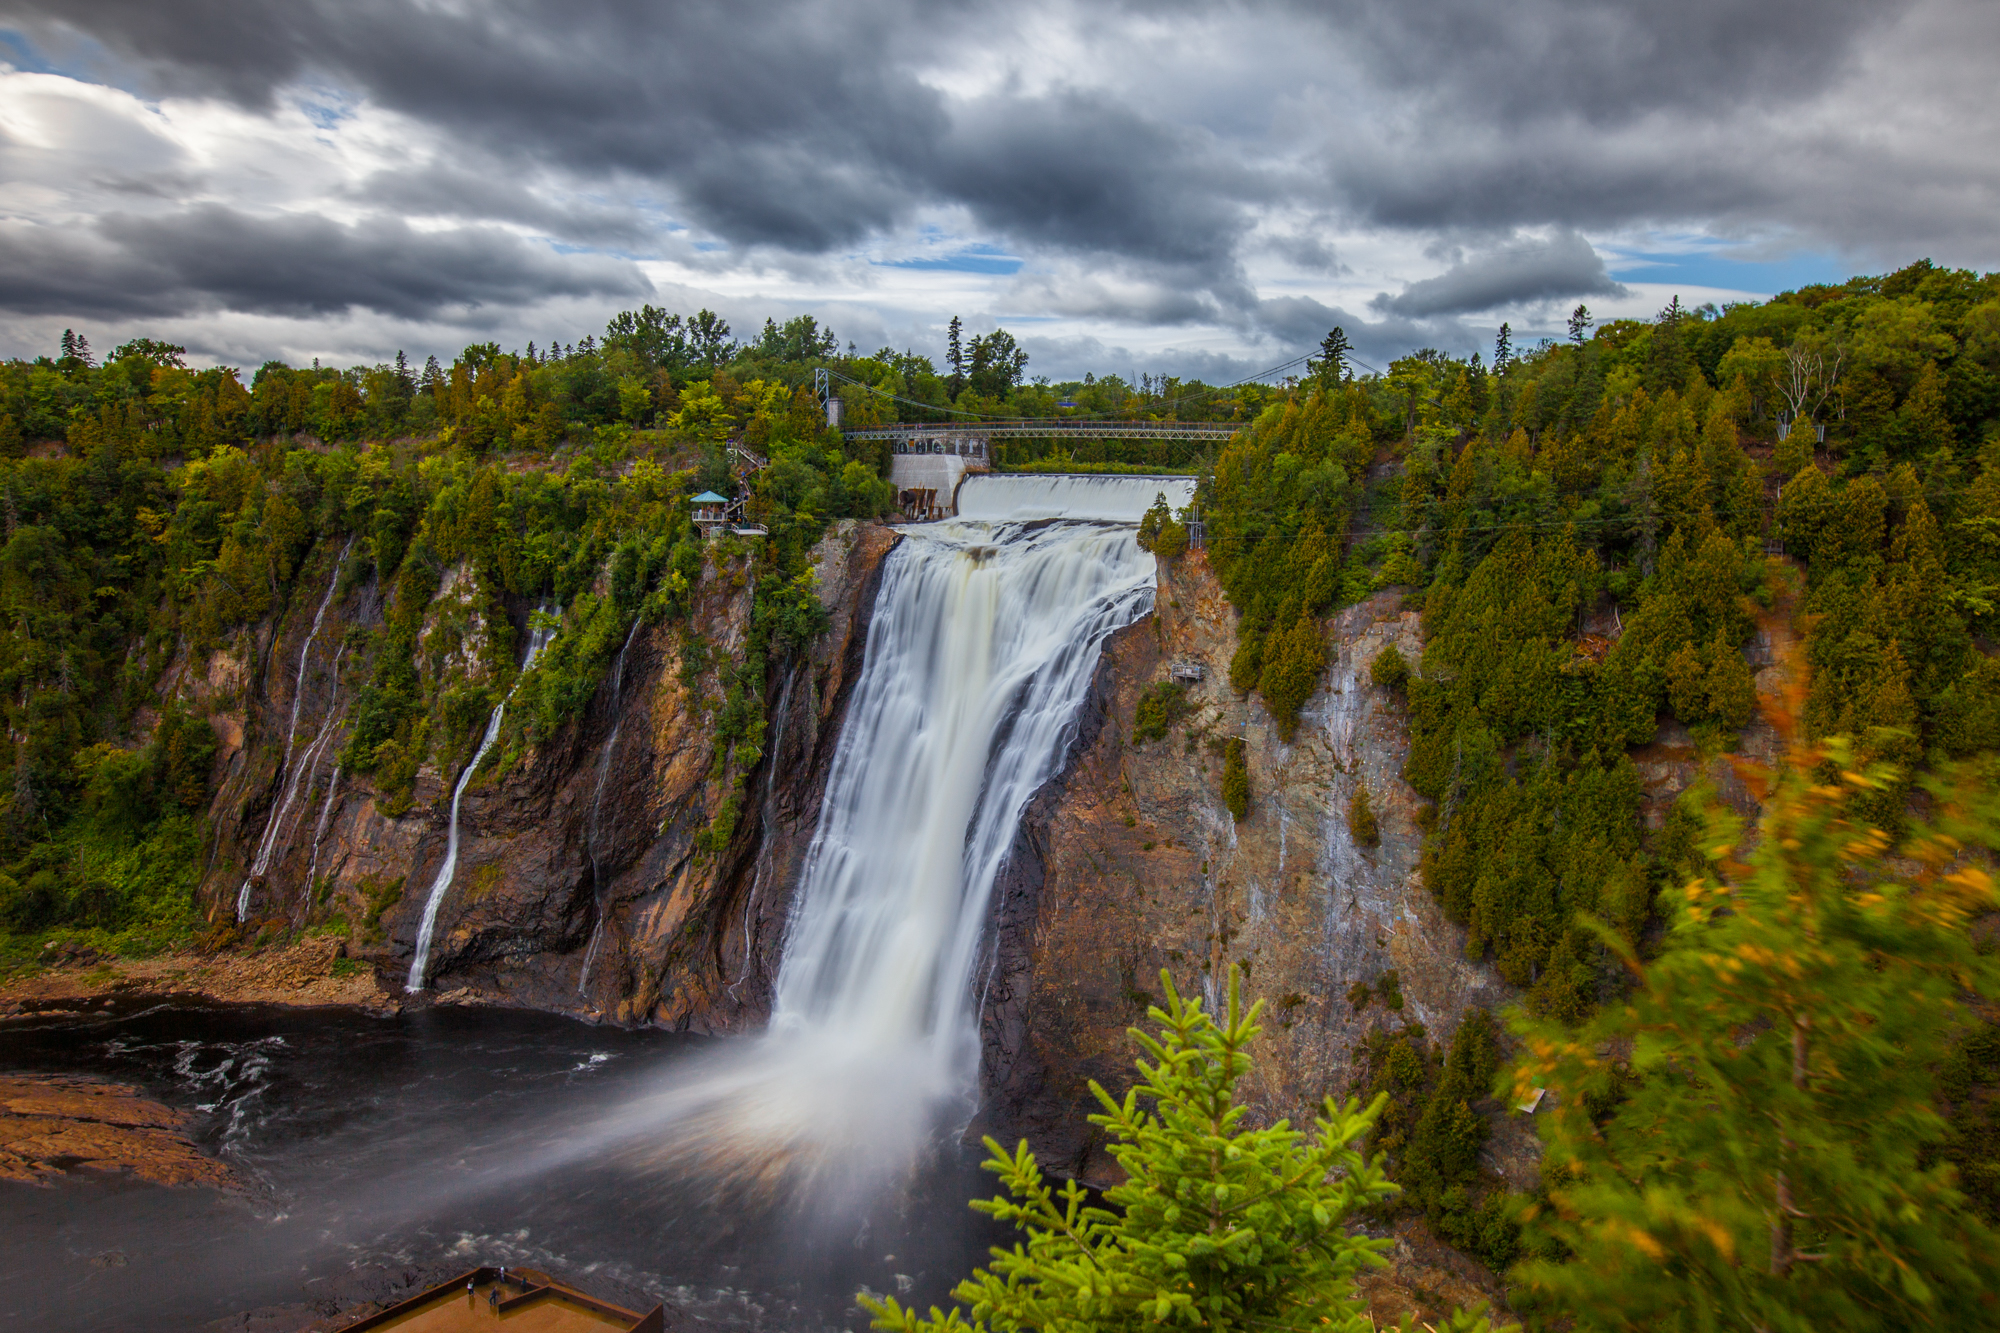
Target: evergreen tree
<point>954,354</point>
<point>1294,660</point>
<point>1236,778</point>
<point>1738,1144</point>
<point>1331,367</point>
<point>1215,1226</point>
<point>1579,324</point>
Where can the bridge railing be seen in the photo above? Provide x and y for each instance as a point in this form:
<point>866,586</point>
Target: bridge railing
<point>1047,428</point>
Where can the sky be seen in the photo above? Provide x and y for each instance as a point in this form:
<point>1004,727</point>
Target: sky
<point>1167,188</point>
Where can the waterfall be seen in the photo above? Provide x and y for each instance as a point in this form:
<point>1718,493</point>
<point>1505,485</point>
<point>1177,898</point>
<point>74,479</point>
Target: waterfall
<point>268,843</point>
<point>597,803</point>
<point>538,639</point>
<point>984,640</point>
<point>1105,497</point>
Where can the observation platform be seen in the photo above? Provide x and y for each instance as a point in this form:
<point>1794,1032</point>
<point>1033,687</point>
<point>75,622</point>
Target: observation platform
<point>527,1302</point>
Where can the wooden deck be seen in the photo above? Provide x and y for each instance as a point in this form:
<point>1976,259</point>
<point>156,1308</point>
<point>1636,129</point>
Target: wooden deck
<point>529,1302</point>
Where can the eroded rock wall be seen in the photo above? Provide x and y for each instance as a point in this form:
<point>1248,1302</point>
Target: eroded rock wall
<point>1129,863</point>
<point>580,885</point>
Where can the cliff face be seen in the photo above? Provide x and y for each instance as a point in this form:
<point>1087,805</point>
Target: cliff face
<point>1129,862</point>
<point>579,885</point>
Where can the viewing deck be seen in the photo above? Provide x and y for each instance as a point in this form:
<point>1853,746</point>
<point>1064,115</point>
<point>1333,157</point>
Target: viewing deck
<point>527,1302</point>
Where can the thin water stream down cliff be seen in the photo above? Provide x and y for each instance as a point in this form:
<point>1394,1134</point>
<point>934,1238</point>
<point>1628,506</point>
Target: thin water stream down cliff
<point>662,1157</point>
<point>538,639</point>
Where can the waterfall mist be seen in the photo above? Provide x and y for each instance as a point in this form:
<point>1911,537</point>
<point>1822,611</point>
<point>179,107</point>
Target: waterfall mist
<point>983,644</point>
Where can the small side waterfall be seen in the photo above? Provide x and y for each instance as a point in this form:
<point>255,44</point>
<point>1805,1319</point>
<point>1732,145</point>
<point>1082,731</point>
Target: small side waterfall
<point>597,804</point>
<point>290,789</point>
<point>538,639</point>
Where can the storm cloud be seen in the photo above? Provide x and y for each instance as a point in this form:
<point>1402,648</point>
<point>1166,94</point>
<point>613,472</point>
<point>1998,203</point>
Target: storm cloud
<point>1521,271</point>
<point>1160,168</point>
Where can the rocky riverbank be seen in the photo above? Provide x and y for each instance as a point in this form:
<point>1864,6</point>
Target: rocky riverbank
<point>309,972</point>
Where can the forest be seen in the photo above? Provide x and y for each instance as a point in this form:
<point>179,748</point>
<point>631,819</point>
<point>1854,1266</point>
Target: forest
<point>1607,535</point>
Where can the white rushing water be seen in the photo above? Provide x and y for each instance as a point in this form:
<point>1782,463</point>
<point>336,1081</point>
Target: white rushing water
<point>982,646</point>
<point>538,639</point>
<point>1106,497</point>
<point>290,788</point>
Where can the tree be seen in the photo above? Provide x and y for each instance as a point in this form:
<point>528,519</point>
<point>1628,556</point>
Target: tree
<point>1812,369</point>
<point>1236,778</point>
<point>708,338</point>
<point>1361,818</point>
<point>1215,1226</point>
<point>955,353</point>
<point>1579,324</point>
<point>1331,367</point>
<point>1294,660</point>
<point>1503,349</point>
<point>1741,1143</point>
<point>996,364</point>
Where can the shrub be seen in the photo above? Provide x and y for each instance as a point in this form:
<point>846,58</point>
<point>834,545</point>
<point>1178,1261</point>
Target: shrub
<point>1236,779</point>
<point>1161,706</point>
<point>1215,1226</point>
<point>1389,669</point>
<point>1361,818</point>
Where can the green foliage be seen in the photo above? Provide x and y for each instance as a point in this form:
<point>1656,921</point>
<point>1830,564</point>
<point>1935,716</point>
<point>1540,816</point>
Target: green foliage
<point>1236,778</point>
<point>1745,1140</point>
<point>1390,670</point>
<point>1969,1084</point>
<point>1361,818</point>
<point>1162,706</point>
<point>1294,660</point>
<point>1434,1121</point>
<point>1215,1225</point>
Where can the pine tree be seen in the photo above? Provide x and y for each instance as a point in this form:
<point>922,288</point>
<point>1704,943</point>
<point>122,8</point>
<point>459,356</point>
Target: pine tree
<point>1331,367</point>
<point>1579,324</point>
<point>1738,1144</point>
<point>1215,1226</point>
<point>955,353</point>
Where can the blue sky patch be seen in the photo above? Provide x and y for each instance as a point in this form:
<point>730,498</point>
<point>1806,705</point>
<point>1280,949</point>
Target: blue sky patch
<point>1709,268</point>
<point>971,259</point>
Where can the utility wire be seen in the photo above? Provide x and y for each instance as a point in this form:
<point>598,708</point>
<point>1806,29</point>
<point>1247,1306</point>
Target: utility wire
<point>1257,378</point>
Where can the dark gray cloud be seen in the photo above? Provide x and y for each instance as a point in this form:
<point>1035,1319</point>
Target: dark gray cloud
<point>213,258</point>
<point>1606,62</point>
<point>802,128</point>
<point>1522,270</point>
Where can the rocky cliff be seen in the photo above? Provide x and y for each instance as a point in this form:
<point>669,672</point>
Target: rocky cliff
<point>581,886</point>
<point>1129,862</point>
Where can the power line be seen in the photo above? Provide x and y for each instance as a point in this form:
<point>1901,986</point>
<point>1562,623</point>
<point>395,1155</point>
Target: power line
<point>1257,378</point>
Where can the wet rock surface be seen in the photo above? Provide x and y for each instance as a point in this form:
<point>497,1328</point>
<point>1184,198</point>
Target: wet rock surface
<point>1129,862</point>
<point>582,885</point>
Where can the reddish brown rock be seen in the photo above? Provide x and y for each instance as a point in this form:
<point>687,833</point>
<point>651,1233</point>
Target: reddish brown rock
<point>50,1125</point>
<point>1129,863</point>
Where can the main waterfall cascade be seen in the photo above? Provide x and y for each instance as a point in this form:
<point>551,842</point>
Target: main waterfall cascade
<point>538,639</point>
<point>984,640</point>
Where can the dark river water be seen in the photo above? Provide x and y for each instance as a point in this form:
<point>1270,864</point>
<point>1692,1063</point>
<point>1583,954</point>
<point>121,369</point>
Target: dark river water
<point>418,1140</point>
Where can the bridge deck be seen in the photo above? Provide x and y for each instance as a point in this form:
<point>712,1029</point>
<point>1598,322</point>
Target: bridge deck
<point>1056,428</point>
